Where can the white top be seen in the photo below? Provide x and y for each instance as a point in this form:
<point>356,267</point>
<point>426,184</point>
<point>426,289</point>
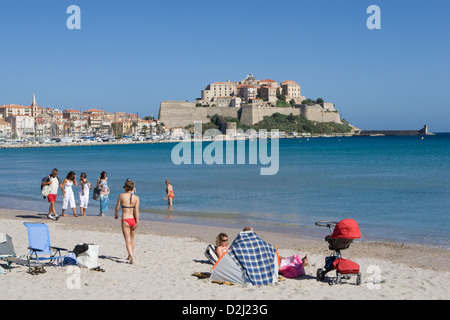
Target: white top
<point>84,190</point>
<point>68,187</point>
<point>55,185</point>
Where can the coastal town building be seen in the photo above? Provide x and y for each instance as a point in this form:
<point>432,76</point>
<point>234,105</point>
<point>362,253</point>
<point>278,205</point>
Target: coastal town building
<point>5,128</point>
<point>268,83</point>
<point>56,114</point>
<point>14,110</point>
<point>71,114</point>
<point>43,124</point>
<point>268,93</point>
<point>248,92</point>
<point>291,90</point>
<point>219,89</point>
<point>21,126</point>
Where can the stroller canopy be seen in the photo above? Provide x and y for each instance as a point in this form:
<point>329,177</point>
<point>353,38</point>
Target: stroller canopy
<point>346,229</point>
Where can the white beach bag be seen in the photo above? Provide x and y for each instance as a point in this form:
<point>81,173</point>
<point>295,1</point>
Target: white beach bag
<point>45,191</point>
<point>89,258</point>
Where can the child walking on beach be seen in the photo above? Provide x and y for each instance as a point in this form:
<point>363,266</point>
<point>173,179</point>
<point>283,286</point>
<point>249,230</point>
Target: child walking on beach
<point>83,193</point>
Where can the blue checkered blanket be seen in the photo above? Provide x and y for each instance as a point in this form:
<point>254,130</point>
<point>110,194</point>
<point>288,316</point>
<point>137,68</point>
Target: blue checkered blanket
<point>256,257</point>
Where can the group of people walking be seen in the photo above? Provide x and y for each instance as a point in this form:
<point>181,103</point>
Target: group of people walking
<point>128,201</point>
<point>54,183</point>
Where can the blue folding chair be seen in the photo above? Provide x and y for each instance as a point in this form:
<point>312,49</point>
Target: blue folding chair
<point>39,244</point>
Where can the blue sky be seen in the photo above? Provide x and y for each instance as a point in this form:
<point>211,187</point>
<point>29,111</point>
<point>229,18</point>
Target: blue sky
<point>128,53</point>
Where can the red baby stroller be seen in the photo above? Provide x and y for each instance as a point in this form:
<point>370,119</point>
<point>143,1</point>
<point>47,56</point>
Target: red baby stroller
<point>341,237</point>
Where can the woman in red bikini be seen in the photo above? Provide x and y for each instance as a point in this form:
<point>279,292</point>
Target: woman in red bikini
<point>130,216</point>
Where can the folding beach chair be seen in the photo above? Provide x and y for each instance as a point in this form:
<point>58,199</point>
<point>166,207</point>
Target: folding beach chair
<point>39,241</point>
<point>7,252</point>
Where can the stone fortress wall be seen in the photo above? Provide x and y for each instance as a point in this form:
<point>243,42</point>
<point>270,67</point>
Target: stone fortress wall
<point>183,113</point>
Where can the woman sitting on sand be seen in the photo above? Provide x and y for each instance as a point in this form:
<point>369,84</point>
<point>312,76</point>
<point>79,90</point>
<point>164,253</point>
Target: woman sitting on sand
<point>221,244</point>
<point>130,216</point>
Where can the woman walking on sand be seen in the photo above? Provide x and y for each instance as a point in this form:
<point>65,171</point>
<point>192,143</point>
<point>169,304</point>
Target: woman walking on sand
<point>130,216</point>
<point>83,193</point>
<point>102,183</point>
<point>68,196</point>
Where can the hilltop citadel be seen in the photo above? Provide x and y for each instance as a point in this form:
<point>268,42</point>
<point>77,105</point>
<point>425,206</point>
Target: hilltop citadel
<point>249,101</point>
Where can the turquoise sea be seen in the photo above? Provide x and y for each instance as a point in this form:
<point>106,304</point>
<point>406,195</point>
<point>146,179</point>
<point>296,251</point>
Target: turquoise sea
<point>396,188</point>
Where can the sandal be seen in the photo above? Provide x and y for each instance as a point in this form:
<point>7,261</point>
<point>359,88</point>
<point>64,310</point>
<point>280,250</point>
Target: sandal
<point>40,269</point>
<point>36,270</point>
<point>32,271</point>
<point>98,269</point>
<point>201,275</point>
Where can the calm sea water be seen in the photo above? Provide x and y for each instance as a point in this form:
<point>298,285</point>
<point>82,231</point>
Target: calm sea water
<point>396,188</point>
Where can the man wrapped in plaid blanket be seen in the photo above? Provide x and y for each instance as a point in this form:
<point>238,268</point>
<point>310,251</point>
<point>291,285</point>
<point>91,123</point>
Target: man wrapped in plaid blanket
<point>256,257</point>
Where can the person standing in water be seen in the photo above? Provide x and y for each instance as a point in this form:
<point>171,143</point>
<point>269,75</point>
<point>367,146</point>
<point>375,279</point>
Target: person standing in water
<point>169,191</point>
<point>130,216</point>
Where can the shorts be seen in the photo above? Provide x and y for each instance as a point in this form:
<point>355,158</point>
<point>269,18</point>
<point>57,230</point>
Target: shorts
<point>84,200</point>
<point>51,198</point>
<point>68,199</point>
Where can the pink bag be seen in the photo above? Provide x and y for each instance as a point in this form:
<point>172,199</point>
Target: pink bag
<point>292,267</point>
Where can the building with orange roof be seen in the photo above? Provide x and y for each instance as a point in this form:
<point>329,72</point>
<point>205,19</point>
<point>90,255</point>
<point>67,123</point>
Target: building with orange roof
<point>268,93</point>
<point>291,90</point>
<point>56,114</point>
<point>94,112</point>
<point>14,110</point>
<point>249,89</point>
<point>42,124</point>
<point>5,128</point>
<point>268,82</point>
<point>248,92</point>
<point>71,114</point>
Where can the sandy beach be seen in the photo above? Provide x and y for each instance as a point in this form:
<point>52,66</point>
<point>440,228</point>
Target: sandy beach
<point>168,253</point>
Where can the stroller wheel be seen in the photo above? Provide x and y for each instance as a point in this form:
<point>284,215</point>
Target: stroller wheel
<point>320,275</point>
<point>338,278</point>
<point>358,279</point>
